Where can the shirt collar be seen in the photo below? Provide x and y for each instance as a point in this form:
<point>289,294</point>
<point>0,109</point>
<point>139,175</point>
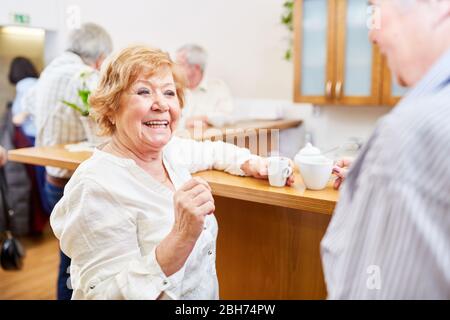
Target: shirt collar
<point>72,55</point>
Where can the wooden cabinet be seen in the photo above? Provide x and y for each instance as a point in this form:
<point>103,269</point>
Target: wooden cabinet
<point>335,62</point>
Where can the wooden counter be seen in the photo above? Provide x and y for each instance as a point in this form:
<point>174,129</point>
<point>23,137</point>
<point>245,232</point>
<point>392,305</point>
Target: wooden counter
<point>268,252</point>
<point>240,134</point>
<point>255,190</point>
<point>262,137</point>
<point>269,238</point>
<point>223,184</point>
<point>55,156</point>
<point>268,245</point>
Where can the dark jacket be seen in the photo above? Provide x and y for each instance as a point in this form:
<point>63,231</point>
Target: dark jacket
<point>19,184</point>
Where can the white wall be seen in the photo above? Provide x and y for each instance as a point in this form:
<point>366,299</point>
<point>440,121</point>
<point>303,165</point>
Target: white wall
<point>244,38</point>
<point>333,126</point>
<point>245,41</point>
<point>43,13</point>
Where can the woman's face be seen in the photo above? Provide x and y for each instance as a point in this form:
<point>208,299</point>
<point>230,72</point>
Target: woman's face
<point>148,112</point>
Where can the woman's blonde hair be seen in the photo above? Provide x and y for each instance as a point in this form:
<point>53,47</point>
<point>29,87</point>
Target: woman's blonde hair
<point>120,71</point>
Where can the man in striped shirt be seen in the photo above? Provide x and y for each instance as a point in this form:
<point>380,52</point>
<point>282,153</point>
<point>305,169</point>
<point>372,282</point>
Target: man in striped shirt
<point>56,123</point>
<point>389,237</point>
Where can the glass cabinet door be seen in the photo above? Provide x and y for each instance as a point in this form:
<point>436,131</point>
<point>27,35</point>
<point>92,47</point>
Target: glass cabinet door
<point>314,47</point>
<point>312,51</point>
<point>358,58</point>
<point>358,67</point>
<point>335,62</point>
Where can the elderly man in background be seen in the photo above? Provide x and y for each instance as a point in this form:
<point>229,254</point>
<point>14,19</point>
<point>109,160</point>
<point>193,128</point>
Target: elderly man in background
<point>205,97</point>
<point>389,237</point>
<point>56,123</point>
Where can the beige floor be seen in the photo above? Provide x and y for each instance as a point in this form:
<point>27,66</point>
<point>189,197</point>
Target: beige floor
<point>37,279</point>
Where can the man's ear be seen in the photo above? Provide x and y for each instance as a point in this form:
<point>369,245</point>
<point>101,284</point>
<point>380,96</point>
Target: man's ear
<point>99,61</point>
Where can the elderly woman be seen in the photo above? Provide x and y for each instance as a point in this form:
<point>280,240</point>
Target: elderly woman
<point>132,219</point>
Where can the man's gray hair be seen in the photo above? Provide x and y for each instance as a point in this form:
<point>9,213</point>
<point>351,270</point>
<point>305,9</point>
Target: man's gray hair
<point>90,42</point>
<point>195,55</point>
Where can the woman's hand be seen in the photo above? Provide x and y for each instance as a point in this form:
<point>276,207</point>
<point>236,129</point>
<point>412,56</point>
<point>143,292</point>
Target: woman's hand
<point>192,202</point>
<point>3,156</point>
<point>258,168</point>
<point>340,170</point>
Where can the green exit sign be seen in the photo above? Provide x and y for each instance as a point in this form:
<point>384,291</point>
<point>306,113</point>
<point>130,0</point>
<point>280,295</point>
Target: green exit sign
<point>20,18</point>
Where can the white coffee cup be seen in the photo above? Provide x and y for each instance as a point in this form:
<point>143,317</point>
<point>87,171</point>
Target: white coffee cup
<point>316,172</point>
<point>279,170</point>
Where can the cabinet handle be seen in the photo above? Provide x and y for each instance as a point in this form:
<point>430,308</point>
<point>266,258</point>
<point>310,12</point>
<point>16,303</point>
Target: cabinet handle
<point>338,89</point>
<point>329,88</point>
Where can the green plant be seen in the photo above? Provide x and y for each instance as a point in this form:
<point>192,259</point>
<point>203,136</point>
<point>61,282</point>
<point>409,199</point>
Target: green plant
<point>287,19</point>
<point>83,93</point>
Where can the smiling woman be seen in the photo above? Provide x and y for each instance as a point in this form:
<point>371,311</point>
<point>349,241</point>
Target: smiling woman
<point>132,219</point>
<point>130,73</point>
<point>135,125</point>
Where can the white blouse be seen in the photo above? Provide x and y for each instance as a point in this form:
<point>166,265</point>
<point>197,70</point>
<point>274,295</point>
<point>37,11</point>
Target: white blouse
<point>113,215</point>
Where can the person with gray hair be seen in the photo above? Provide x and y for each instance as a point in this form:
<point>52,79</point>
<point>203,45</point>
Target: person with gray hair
<point>206,99</point>
<point>76,68</point>
<point>91,43</point>
<point>389,237</point>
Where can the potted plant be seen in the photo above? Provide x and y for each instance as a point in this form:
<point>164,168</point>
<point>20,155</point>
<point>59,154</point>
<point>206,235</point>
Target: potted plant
<point>84,110</point>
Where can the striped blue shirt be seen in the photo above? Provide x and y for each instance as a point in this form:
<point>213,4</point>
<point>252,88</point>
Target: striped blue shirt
<point>389,237</point>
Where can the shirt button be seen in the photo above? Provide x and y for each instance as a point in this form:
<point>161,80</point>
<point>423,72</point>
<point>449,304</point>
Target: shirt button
<point>165,282</point>
<point>204,228</point>
<point>210,252</point>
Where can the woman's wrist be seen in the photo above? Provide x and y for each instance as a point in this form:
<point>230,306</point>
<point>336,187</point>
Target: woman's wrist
<point>173,251</point>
